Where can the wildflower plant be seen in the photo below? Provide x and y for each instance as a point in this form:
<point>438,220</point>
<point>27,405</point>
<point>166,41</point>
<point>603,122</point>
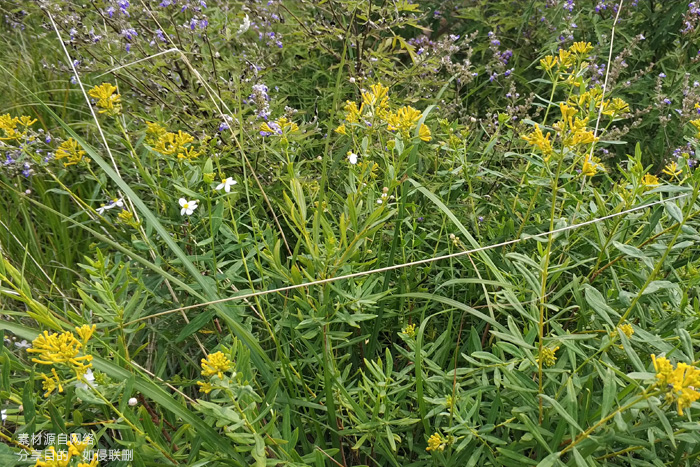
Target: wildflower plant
<point>350,233</point>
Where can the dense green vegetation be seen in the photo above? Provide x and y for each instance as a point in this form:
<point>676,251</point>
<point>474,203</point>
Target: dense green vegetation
<point>380,233</point>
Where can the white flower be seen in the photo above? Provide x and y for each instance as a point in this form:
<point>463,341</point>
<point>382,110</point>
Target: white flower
<point>379,201</point>
<point>3,414</point>
<point>89,377</point>
<point>101,210</point>
<point>116,202</point>
<point>226,184</point>
<point>23,345</point>
<point>133,401</point>
<point>245,26</point>
<point>188,207</point>
<point>352,158</point>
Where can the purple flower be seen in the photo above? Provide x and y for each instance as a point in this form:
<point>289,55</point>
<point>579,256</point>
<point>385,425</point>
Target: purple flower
<point>662,75</point>
<point>667,101</point>
<point>129,34</point>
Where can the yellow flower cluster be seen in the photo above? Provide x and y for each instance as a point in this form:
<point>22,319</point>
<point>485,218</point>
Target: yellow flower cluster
<point>375,106</point>
<point>62,349</point>
<point>409,330</point>
<point>70,151</point>
<point>696,124</point>
<point>377,98</point>
<point>154,132</point>
<point>282,126</point>
<point>626,329</point>
<point>405,120</point>
<point>672,169</point>
<point>681,382</point>
<point>170,144</point>
<point>615,107</point>
<point>548,356</point>
<point>215,364</point>
<point>436,442</point>
<point>54,458</point>
<point>567,58</point>
<point>9,126</point>
<point>650,181</point>
<point>540,141</point>
<point>107,100</point>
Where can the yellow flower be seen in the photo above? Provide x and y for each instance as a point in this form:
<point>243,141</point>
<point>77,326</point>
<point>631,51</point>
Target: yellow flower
<point>436,443</point>
<point>50,384</point>
<point>205,387</point>
<point>109,102</point>
<point>672,169</point>
<point>341,130</point>
<point>548,356</point>
<point>583,137</point>
<point>76,447</point>
<point>424,133</point>
<point>377,97</point>
<point>215,364</point>
<point>174,144</point>
<point>188,154</point>
<point>154,132</point>
<point>567,114</point>
<point>627,330</point>
<point>565,59</point>
<point>409,330</point>
<point>696,124</point>
<point>548,62</point>
<point>352,112</point>
<point>650,180</point>
<point>537,139</point>
<point>589,168</point>
<point>70,150</point>
<point>403,119</point>
<point>85,332</point>
<point>9,126</point>
<point>615,107</point>
<point>281,126</point>
<point>55,459</point>
<point>58,348</point>
<point>581,48</point>
<point>682,381</point>
<point>92,463</point>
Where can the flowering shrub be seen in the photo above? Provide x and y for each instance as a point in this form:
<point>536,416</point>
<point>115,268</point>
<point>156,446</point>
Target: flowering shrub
<point>349,233</point>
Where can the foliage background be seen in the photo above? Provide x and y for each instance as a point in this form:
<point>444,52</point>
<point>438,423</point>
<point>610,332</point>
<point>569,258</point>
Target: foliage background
<point>537,352</point>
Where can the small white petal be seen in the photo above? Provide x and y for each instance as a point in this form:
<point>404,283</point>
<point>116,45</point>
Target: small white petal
<point>182,211</point>
<point>3,414</point>
<point>23,345</point>
<point>219,186</point>
<point>183,201</point>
